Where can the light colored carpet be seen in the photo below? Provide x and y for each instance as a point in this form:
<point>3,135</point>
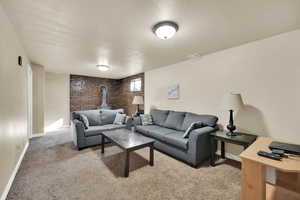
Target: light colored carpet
<point>53,170</point>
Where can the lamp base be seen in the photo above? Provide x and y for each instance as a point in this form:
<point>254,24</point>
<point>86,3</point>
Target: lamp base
<point>231,133</point>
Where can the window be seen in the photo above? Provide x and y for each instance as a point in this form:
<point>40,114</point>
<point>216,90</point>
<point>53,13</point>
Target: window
<point>136,85</point>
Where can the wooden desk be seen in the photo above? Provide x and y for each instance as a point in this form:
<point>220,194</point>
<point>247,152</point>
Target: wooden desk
<point>254,186</point>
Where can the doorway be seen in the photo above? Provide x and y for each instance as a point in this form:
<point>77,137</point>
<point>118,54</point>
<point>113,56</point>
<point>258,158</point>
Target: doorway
<point>29,100</point>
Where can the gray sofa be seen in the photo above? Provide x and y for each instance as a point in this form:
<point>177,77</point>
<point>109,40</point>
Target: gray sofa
<point>99,120</point>
<point>168,128</point>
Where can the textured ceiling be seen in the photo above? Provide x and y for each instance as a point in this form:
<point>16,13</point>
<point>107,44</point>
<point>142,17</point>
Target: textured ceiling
<point>73,36</point>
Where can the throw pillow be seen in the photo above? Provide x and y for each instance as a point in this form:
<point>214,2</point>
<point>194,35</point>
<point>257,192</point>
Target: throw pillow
<point>146,119</point>
<point>199,125</point>
<point>193,126</point>
<point>85,121</point>
<point>120,119</point>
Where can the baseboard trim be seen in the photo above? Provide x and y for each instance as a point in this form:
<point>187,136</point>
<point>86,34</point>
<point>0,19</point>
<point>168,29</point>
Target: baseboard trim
<point>37,135</point>
<point>229,156</point>
<point>14,173</point>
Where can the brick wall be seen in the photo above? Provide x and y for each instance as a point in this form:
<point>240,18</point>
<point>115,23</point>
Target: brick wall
<point>85,93</point>
<point>127,96</point>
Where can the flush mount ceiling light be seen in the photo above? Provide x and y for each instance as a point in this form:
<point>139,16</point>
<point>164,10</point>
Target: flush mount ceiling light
<point>103,68</point>
<point>165,29</point>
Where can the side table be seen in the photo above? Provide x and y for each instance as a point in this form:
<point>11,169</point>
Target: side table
<point>243,139</point>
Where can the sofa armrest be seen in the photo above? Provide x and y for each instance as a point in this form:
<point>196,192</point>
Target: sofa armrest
<point>199,144</point>
<point>129,122</point>
<point>78,131</point>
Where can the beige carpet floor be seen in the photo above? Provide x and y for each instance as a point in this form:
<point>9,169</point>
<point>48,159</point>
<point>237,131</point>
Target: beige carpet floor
<point>53,170</point>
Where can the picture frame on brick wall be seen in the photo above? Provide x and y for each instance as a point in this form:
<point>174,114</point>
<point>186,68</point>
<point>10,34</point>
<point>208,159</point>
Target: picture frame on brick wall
<point>173,92</point>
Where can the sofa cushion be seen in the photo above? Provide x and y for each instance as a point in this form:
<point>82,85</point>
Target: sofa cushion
<point>120,110</point>
<point>176,139</point>
<point>154,131</point>
<point>174,120</point>
<point>108,116</point>
<point>97,130</point>
<point>92,115</point>
<point>209,120</point>
<point>145,129</point>
<point>159,116</point>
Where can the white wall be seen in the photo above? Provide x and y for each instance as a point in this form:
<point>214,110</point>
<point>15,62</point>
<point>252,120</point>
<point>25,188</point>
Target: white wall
<point>13,106</point>
<point>57,106</point>
<point>265,72</point>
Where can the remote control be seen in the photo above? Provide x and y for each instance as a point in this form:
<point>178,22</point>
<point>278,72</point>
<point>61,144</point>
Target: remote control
<point>278,152</point>
<point>269,155</point>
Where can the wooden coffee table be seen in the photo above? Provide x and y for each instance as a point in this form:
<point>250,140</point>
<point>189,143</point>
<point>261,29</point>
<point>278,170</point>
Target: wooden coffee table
<point>128,141</point>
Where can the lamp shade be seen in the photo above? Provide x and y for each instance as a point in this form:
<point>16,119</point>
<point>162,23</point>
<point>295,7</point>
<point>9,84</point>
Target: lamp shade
<point>232,101</point>
<point>138,100</point>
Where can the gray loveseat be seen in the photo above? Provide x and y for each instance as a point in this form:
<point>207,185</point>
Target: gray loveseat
<point>99,121</point>
<point>168,129</point>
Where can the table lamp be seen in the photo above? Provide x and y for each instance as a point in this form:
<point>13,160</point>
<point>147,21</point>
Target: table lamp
<point>232,102</point>
<point>138,100</point>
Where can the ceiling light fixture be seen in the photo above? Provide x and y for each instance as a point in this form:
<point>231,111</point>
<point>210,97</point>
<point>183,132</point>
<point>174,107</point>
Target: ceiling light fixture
<point>165,29</point>
<point>103,68</point>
